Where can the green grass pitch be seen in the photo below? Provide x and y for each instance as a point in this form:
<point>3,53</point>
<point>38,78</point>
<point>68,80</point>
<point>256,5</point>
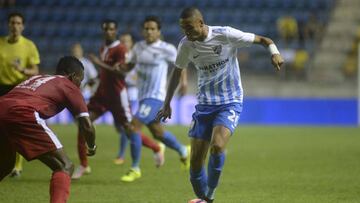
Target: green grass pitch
<point>264,164</point>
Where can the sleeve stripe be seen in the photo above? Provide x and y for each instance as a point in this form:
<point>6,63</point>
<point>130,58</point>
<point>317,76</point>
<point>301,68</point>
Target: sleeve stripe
<point>83,114</point>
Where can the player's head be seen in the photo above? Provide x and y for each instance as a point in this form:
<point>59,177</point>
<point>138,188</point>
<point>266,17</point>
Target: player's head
<point>192,24</point>
<point>127,40</point>
<point>77,50</point>
<point>151,29</point>
<point>72,68</point>
<point>16,23</point>
<point>109,28</point>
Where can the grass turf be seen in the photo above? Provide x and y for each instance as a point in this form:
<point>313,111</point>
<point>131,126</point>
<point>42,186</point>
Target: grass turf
<point>264,164</point>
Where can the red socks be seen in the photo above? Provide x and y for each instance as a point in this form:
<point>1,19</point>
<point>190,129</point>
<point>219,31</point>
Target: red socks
<point>59,187</point>
<point>148,142</point>
<point>82,150</point>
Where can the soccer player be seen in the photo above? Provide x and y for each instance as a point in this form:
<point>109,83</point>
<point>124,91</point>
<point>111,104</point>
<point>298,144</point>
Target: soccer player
<point>23,128</point>
<point>111,95</point>
<point>151,58</point>
<point>213,50</point>
<point>19,59</point>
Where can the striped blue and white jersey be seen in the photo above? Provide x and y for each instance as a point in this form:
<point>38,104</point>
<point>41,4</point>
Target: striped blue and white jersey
<point>215,59</point>
<point>151,63</point>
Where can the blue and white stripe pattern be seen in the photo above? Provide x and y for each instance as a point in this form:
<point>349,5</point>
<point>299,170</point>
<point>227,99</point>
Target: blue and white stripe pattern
<point>215,59</point>
<point>152,61</point>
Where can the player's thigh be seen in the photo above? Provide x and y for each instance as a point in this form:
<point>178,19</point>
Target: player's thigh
<point>7,156</point>
<point>199,149</point>
<point>57,161</point>
<point>96,108</point>
<point>219,139</point>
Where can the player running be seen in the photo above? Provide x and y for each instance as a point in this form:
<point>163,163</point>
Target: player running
<point>213,51</point>
<point>151,58</point>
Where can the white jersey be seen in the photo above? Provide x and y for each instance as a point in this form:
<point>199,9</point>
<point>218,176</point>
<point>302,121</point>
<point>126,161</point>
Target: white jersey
<point>151,63</point>
<point>90,71</point>
<point>216,62</point>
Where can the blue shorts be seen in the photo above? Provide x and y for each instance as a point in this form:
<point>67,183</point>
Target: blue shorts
<point>206,117</point>
<point>148,109</point>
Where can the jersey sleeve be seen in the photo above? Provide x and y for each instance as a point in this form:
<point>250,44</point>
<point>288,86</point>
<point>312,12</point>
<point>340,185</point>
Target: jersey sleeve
<point>120,54</point>
<point>239,38</point>
<point>182,58</point>
<point>75,101</point>
<point>171,54</point>
<point>34,57</point>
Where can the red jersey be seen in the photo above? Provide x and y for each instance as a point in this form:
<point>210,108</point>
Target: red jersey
<point>47,95</point>
<point>109,82</point>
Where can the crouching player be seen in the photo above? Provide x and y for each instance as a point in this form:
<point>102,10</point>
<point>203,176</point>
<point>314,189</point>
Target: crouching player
<point>23,128</point>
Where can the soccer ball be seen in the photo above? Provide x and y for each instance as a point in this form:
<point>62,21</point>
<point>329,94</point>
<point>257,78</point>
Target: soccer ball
<point>197,201</point>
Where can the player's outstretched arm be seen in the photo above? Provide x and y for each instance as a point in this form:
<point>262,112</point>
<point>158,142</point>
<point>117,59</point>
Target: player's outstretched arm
<point>276,58</point>
<point>165,111</point>
<point>87,129</point>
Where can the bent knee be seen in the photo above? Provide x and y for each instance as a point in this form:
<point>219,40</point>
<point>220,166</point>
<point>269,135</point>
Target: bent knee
<point>68,168</point>
<point>216,149</point>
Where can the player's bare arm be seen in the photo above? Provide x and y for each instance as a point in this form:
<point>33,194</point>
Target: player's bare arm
<point>276,58</point>
<point>96,60</point>
<point>87,129</point>
<point>183,83</point>
<point>165,111</point>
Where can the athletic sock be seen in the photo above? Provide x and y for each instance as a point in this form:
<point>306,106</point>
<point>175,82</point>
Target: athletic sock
<point>198,181</point>
<point>19,162</point>
<point>59,187</point>
<point>215,165</point>
<point>149,143</point>
<point>135,148</point>
<point>123,144</point>
<point>170,141</point>
<point>81,146</point>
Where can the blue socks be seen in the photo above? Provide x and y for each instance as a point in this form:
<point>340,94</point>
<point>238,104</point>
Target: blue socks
<point>135,148</point>
<point>198,181</point>
<point>205,185</point>
<point>170,141</point>
<point>215,165</point>
<point>123,144</point>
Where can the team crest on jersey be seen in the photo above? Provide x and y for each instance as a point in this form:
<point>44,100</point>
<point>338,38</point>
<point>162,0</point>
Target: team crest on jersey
<point>217,49</point>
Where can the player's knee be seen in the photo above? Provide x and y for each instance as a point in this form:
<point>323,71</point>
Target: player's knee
<point>216,148</point>
<point>196,162</point>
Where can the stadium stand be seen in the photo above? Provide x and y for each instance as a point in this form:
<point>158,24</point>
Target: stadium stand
<point>53,24</point>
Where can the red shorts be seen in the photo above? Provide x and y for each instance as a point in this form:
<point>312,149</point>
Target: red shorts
<point>26,132</point>
<point>117,103</point>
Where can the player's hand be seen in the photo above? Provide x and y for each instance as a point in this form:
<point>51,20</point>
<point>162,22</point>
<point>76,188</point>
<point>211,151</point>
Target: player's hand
<point>91,151</point>
<point>164,113</point>
<point>17,66</point>
<point>93,58</point>
<point>277,61</point>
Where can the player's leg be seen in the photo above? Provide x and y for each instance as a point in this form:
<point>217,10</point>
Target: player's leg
<point>166,137</point>
<point>7,157</point>
<point>220,138</point>
<point>16,172</point>
<point>62,169</point>
<point>198,177</point>
<point>120,158</point>
<point>224,124</point>
<point>84,167</point>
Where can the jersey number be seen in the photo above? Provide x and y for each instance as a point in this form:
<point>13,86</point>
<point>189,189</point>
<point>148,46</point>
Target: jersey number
<point>144,110</point>
<point>233,118</point>
<point>34,82</point>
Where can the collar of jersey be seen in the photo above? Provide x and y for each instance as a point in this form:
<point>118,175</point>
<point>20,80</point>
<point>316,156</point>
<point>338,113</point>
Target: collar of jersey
<point>114,44</point>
